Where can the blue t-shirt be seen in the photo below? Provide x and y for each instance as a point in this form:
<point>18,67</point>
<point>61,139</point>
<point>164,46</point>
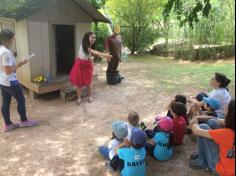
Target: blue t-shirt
<point>134,161</point>
<point>163,151</point>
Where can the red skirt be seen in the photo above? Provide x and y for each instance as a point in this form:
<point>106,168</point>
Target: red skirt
<point>81,73</point>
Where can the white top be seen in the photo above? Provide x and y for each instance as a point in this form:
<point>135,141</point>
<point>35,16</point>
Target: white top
<point>223,97</point>
<point>6,59</point>
<point>111,147</point>
<point>83,55</point>
<point>130,129</point>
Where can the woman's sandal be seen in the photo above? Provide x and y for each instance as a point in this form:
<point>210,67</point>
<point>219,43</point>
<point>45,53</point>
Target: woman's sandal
<point>90,99</point>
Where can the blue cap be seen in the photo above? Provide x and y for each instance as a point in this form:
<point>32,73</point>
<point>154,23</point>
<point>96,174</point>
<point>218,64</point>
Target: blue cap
<point>214,104</point>
<point>138,137</point>
<point>120,129</point>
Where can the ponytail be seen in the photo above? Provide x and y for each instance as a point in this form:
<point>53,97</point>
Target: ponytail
<point>223,80</point>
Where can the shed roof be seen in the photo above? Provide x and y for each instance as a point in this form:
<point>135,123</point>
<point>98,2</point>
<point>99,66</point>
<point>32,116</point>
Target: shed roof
<point>30,7</point>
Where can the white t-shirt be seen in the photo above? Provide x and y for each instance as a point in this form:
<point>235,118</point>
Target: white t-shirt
<point>223,97</point>
<point>111,147</point>
<point>6,59</point>
<point>130,129</point>
<point>83,55</point>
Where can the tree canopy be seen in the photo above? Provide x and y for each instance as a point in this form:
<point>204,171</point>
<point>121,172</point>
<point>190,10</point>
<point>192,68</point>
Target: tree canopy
<point>188,11</point>
<point>18,8</point>
<point>136,19</point>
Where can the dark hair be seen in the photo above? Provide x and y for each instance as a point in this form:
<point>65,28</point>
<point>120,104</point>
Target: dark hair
<point>200,96</point>
<point>230,117</point>
<point>181,99</point>
<point>5,36</point>
<point>86,43</point>
<point>222,79</point>
<point>157,129</point>
<point>133,118</point>
<point>180,109</point>
<point>137,146</point>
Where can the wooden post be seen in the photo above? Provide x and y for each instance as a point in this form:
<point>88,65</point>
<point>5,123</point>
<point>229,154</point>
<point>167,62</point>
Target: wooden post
<point>33,95</point>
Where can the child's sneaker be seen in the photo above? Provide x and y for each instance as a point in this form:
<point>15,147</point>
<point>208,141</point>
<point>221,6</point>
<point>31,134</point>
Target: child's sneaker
<point>194,156</point>
<point>143,126</point>
<point>195,164</point>
<point>28,123</point>
<point>11,127</point>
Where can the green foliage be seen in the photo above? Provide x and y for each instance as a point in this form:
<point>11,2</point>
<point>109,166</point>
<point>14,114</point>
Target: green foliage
<point>218,28</point>
<point>188,11</point>
<point>215,35</point>
<point>97,3</point>
<point>102,33</point>
<point>135,18</point>
<point>11,5</point>
<point>19,8</point>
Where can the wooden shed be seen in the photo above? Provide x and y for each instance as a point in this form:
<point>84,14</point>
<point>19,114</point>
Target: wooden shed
<point>53,30</point>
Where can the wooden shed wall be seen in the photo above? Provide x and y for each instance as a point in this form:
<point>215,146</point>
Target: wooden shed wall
<point>39,43</point>
<point>23,73</point>
<point>41,33</point>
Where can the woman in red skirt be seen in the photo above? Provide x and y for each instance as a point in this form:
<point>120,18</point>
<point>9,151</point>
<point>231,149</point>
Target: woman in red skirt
<point>82,72</point>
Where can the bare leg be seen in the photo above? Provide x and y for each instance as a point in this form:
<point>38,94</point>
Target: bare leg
<point>90,100</point>
<point>79,96</point>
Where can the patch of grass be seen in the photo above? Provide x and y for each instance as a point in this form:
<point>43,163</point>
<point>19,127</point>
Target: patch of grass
<point>175,76</point>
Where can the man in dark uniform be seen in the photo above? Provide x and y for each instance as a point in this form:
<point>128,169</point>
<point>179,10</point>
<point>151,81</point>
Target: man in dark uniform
<point>114,46</point>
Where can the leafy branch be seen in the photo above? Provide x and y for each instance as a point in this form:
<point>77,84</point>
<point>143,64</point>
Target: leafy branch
<point>188,12</point>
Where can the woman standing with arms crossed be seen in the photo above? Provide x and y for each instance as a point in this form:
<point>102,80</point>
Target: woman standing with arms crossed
<point>10,87</point>
<point>82,72</point>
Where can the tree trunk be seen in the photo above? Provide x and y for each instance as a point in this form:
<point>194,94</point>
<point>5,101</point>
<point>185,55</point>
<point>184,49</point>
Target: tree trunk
<point>166,31</point>
<point>133,48</point>
<point>167,39</point>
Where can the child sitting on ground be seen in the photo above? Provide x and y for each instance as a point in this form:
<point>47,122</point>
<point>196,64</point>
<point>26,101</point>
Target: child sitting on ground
<point>210,106</point>
<point>120,132</point>
<point>160,146</point>
<point>208,113</point>
<point>133,122</point>
<point>134,157</point>
<point>178,98</point>
<point>178,111</point>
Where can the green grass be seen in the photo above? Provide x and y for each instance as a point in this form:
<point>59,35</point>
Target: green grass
<point>175,76</point>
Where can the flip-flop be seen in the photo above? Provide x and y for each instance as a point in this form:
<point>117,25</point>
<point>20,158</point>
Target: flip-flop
<point>90,100</point>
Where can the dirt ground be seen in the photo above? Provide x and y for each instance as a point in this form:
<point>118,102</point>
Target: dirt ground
<point>66,141</point>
